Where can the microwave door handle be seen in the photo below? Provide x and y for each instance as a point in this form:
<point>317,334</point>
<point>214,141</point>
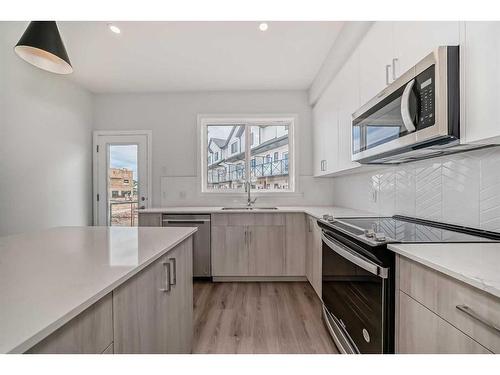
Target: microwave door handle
<point>405,107</point>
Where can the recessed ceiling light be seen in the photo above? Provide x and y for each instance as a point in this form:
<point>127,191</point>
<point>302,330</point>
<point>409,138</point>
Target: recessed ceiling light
<point>263,26</point>
<point>114,28</point>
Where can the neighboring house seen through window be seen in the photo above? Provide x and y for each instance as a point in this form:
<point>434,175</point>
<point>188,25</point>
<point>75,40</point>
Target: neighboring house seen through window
<point>260,164</point>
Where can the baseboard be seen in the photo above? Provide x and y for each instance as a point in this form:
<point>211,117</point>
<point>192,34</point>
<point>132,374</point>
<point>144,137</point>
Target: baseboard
<point>257,278</point>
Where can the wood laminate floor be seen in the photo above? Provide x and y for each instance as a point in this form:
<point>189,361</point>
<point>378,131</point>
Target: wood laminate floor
<point>259,317</point>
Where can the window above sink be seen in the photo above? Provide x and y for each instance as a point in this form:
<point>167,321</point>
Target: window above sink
<point>257,149</point>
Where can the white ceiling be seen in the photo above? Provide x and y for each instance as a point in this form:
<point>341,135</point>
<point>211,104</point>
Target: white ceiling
<point>192,56</point>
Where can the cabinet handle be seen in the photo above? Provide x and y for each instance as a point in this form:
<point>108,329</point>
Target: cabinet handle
<point>168,286</point>
<point>174,266</point>
<point>323,165</point>
<point>467,310</point>
<point>387,67</point>
<point>246,236</point>
<point>394,61</point>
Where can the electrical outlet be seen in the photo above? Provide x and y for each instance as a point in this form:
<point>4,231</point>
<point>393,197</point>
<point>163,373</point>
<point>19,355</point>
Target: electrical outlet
<point>182,194</point>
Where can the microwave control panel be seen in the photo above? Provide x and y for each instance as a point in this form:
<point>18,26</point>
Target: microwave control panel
<point>425,92</point>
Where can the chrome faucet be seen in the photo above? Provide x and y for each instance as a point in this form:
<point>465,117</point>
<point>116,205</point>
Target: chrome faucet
<point>248,187</point>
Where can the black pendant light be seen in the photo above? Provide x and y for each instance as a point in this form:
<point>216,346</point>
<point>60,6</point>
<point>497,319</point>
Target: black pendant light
<point>41,46</point>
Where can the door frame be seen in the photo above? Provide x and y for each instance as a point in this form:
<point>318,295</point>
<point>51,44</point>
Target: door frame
<point>95,159</point>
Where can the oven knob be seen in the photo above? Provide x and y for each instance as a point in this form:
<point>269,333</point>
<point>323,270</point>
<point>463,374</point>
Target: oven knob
<point>380,237</point>
<point>366,335</point>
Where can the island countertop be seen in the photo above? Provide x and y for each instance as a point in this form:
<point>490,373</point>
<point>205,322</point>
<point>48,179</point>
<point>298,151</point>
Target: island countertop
<point>49,277</point>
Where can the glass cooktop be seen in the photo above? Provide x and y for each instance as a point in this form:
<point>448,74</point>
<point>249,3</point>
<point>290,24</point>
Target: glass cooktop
<point>403,229</point>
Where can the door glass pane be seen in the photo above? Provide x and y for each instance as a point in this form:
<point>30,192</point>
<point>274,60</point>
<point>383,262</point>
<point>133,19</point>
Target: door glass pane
<point>270,152</point>
<point>225,157</point>
<point>122,185</point>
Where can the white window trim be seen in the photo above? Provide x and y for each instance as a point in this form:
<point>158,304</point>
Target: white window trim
<point>207,119</point>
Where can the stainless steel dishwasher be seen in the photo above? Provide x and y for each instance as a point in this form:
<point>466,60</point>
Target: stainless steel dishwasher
<point>201,241</point>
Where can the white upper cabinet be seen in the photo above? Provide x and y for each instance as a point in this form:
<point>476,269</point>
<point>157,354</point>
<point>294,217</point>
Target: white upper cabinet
<point>388,50</point>
<point>376,52</point>
<point>349,101</point>
<point>480,54</point>
<point>415,40</point>
<point>325,132</point>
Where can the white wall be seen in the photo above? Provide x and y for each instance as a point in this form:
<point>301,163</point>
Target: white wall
<point>461,189</point>
<point>173,119</point>
<point>45,144</point>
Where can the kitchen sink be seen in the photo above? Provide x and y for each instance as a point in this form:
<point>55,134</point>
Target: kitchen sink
<point>249,208</point>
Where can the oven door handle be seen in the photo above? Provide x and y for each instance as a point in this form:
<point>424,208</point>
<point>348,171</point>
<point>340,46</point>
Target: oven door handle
<point>360,261</point>
<point>405,107</point>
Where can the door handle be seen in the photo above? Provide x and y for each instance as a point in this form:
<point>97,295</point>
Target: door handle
<point>174,266</point>
<point>168,286</point>
<point>394,61</point>
<point>387,67</point>
<point>405,107</point>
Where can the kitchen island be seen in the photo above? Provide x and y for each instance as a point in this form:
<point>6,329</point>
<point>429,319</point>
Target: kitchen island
<point>50,279</point>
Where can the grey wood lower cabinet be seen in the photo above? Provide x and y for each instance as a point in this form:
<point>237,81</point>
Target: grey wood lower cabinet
<point>258,244</point>
<point>431,316</point>
<point>424,332</point>
<point>91,332</point>
<point>153,311</point>
<point>314,253</point>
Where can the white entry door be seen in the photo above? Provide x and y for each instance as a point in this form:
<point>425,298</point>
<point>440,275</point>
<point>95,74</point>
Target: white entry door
<point>122,172</point>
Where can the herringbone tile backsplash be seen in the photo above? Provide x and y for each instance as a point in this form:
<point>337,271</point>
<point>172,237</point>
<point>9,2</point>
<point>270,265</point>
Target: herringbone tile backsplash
<point>461,189</point>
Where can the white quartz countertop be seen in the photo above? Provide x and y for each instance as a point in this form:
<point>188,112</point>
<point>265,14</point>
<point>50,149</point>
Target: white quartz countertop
<point>477,264</point>
<point>316,211</point>
<point>49,277</point>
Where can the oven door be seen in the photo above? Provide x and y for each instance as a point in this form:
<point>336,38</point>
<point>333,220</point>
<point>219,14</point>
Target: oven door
<point>354,297</point>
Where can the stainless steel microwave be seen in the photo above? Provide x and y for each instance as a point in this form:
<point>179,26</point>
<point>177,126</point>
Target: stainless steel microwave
<point>416,117</point>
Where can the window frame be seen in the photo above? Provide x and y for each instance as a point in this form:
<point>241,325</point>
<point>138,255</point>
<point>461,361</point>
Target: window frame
<point>248,121</point>
<point>235,143</point>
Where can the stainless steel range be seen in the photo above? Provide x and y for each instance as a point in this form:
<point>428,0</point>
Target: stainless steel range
<point>358,274</point>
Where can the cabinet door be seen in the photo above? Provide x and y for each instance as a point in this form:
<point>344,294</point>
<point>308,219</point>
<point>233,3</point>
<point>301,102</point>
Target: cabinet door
<point>295,257</point>
<point>309,250</point>
<point>180,300</point>
<point>415,40</point>
<point>229,250</point>
<point>140,312</point>
<point>376,51</point>
<point>325,131</point>
<point>91,332</point>
<point>423,332</point>
<point>266,254</point>
<point>317,256</point>
<point>481,61</point>
<point>348,103</point>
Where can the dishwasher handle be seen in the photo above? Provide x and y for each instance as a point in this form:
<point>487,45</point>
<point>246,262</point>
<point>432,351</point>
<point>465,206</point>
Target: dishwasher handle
<point>185,221</point>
